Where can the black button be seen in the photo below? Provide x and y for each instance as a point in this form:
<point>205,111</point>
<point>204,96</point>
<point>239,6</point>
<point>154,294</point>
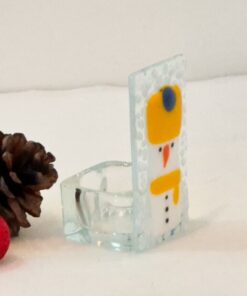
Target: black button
<point>160,149</point>
<point>166,197</point>
<point>167,209</point>
<point>172,144</point>
<point>167,220</point>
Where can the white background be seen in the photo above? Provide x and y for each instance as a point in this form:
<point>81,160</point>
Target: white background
<point>71,43</point>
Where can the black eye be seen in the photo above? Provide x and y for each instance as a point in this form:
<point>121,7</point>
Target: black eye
<point>169,99</point>
<point>172,144</point>
<point>160,149</point>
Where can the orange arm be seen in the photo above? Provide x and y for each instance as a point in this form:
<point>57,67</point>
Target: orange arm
<point>166,183</point>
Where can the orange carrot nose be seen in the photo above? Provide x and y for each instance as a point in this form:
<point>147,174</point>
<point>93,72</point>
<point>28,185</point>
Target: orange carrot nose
<point>166,154</point>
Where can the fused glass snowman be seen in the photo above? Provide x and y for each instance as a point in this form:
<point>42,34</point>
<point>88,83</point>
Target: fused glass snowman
<point>137,205</point>
<point>164,118</point>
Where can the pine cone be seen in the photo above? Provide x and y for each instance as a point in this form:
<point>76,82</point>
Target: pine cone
<point>25,169</point>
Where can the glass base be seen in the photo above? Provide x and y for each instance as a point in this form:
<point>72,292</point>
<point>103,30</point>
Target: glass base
<point>98,208</point>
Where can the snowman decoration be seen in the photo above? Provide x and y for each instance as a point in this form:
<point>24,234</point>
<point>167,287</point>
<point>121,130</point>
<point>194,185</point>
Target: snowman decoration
<point>164,119</point>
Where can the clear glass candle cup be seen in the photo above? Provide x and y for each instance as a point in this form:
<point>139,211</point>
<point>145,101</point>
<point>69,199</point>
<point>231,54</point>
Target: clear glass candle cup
<point>98,206</point>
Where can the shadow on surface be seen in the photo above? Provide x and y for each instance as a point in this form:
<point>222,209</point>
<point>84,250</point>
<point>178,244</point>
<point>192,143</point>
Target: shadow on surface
<point>208,234</point>
<point>10,262</point>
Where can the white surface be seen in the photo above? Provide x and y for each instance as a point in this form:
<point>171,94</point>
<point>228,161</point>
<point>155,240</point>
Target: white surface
<point>70,43</point>
<point>83,127</point>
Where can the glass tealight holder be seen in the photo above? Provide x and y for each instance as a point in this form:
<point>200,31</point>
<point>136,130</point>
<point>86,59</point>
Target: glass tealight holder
<point>98,205</point>
<point>135,206</point>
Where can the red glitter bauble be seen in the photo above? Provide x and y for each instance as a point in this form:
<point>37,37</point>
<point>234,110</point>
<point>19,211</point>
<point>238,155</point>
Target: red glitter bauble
<point>4,237</point>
